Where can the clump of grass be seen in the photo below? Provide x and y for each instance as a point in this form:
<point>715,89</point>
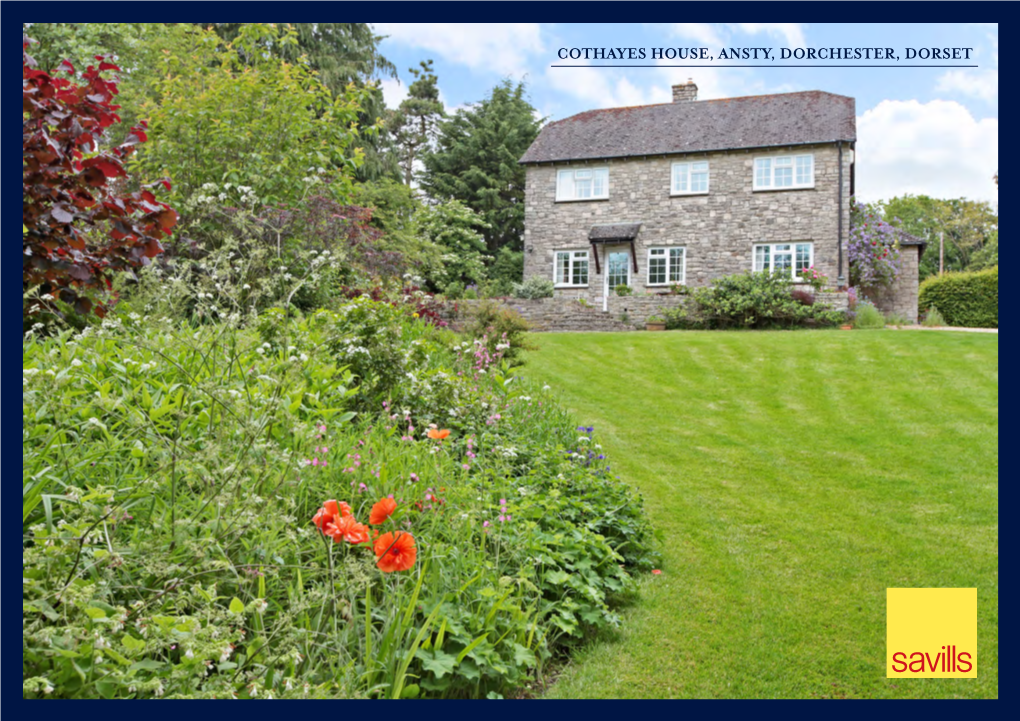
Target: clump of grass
<point>868,316</point>
<point>933,319</point>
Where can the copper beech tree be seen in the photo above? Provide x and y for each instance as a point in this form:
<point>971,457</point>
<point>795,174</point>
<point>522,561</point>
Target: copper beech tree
<point>79,228</point>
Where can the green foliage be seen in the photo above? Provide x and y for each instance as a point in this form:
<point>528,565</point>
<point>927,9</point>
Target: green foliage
<point>988,256</point>
<point>501,330</point>
<point>750,300</point>
<point>458,231</point>
<point>623,290</point>
<point>170,475</point>
<point>413,124</point>
<point>507,269</point>
<point>933,319</point>
<point>229,112</point>
<point>967,227</point>
<point>534,287</point>
<point>969,300</point>
<point>475,161</point>
<point>867,316</point>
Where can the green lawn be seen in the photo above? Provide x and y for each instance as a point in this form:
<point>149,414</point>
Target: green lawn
<point>794,476</point>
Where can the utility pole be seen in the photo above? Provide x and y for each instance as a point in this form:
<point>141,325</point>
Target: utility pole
<point>942,251</point>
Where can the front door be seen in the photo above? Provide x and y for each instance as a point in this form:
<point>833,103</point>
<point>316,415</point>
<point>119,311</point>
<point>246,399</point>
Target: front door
<point>617,273</point>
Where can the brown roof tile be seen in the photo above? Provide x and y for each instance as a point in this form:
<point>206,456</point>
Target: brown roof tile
<point>755,121</point>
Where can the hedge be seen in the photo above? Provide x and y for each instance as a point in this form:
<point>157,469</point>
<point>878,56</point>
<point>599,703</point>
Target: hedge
<point>969,300</point>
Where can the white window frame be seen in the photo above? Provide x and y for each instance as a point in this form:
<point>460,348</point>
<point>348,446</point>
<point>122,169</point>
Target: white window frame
<point>563,197</point>
<point>575,257</point>
<point>793,249</point>
<point>669,265</point>
<point>775,162</point>
<point>687,167</point>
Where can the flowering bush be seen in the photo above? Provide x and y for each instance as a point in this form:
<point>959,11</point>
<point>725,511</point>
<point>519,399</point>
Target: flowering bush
<point>176,541</point>
<point>813,277</point>
<point>873,250</point>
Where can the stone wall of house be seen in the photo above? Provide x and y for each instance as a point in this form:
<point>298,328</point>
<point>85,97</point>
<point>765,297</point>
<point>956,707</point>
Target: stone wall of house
<point>563,314</point>
<point>900,298</point>
<point>718,229</point>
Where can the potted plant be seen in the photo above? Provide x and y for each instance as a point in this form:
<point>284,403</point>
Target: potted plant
<point>654,322</point>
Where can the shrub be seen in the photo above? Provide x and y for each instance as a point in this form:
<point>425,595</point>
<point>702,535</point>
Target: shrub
<point>454,290</point>
<point>969,300</point>
<point>534,287</point>
<point>933,319</point>
<point>873,250</point>
<point>803,297</point>
<point>171,476</point>
<point>78,230</point>
<point>501,330</point>
<point>752,300</point>
<point>868,316</point>
<point>623,290</point>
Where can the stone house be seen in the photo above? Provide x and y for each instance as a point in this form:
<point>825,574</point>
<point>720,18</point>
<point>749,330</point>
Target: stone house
<point>688,191</point>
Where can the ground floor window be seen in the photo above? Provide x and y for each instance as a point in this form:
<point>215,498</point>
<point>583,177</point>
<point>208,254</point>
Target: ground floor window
<point>571,268</point>
<point>667,266</point>
<point>787,257</point>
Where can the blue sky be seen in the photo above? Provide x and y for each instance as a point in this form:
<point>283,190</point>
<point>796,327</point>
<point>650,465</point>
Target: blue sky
<point>920,130</point>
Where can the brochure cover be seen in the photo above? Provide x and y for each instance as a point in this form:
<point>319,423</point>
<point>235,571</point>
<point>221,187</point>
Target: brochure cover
<point>509,360</point>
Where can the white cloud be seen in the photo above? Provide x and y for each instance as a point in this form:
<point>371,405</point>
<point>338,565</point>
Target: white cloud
<point>936,148</point>
<point>704,33</point>
<point>981,83</point>
<point>717,35</point>
<point>791,32</point>
<point>503,48</point>
<point>603,88</point>
<point>393,91</point>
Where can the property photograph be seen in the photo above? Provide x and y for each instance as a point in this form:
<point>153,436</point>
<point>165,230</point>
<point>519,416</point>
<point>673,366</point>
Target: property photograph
<point>510,361</point>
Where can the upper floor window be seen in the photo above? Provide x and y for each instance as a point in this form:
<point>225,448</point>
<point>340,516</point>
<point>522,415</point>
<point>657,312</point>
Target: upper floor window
<point>786,171</point>
<point>791,258</point>
<point>690,178</point>
<point>582,184</point>
<point>667,266</point>
<point>571,268</point>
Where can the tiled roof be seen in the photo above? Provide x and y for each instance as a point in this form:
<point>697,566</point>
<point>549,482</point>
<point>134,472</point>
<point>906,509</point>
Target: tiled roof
<point>906,238</point>
<point>614,231</point>
<point>756,121</point>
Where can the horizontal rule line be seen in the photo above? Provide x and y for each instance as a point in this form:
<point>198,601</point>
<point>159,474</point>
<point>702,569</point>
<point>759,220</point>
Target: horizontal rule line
<point>764,66</point>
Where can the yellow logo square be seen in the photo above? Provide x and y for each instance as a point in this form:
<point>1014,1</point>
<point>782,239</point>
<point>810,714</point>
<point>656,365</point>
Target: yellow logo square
<point>931,632</point>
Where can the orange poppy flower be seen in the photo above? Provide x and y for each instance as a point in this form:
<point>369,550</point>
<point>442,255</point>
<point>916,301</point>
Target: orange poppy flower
<point>381,511</point>
<point>331,511</point>
<point>347,529</point>
<point>437,434</point>
<point>395,551</point>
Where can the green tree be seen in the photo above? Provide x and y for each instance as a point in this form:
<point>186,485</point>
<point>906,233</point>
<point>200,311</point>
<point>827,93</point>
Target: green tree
<point>475,161</point>
<point>341,54</point>
<point>413,125</point>
<point>227,113</point>
<point>459,232</point>
<point>967,227</point>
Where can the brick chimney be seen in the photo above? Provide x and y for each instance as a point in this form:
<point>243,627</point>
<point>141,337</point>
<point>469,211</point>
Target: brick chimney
<point>685,92</point>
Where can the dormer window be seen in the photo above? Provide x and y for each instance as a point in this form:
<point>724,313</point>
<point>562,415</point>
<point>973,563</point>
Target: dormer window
<point>582,184</point>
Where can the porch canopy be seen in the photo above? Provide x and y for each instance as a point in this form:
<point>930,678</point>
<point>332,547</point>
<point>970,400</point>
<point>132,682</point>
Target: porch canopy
<point>613,233</point>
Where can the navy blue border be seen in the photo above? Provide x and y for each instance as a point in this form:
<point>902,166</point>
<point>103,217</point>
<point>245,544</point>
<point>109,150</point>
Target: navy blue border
<point>96,11</point>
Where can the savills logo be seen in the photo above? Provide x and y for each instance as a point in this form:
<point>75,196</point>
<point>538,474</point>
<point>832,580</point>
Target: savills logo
<point>931,632</point>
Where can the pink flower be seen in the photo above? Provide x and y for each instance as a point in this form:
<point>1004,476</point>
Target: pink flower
<point>656,572</point>
<point>485,524</point>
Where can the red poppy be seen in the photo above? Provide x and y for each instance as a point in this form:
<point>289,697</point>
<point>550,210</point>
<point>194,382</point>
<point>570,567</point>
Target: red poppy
<point>395,551</point>
<point>331,510</point>
<point>437,434</point>
<point>381,511</point>
<point>347,529</point>
<point>657,572</point>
